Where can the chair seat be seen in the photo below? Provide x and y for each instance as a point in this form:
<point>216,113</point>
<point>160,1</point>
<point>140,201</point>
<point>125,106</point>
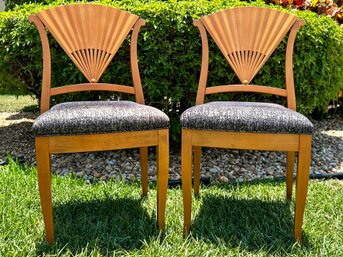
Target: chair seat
<point>245,117</point>
<point>75,118</point>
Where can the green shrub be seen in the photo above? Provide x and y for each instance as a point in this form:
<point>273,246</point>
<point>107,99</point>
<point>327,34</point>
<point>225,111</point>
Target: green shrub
<point>11,4</point>
<point>170,57</point>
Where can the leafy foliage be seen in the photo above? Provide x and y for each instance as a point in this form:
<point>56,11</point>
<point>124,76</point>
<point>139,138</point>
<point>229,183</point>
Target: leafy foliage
<point>170,57</point>
<point>11,4</point>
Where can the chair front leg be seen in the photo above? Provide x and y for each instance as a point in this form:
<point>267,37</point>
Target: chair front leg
<point>44,185</point>
<point>304,161</point>
<point>186,170</point>
<point>290,174</point>
<point>143,152</point>
<point>197,161</point>
<point>162,176</point>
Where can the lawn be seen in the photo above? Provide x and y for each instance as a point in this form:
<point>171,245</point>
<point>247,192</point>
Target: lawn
<point>12,103</point>
<point>111,219</point>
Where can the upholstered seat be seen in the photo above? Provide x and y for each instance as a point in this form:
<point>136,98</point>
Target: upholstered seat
<point>75,118</point>
<point>246,117</point>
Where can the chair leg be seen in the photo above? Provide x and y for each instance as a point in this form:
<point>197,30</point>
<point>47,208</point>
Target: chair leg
<point>143,152</point>
<point>186,170</point>
<point>304,160</point>
<point>197,160</point>
<point>44,185</point>
<point>290,174</point>
<point>162,176</point>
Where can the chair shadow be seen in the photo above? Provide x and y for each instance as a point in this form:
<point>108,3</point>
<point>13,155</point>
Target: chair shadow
<point>251,224</point>
<point>22,114</point>
<point>106,225</point>
<point>30,108</point>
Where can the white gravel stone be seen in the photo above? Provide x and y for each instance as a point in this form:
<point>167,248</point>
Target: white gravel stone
<point>222,165</point>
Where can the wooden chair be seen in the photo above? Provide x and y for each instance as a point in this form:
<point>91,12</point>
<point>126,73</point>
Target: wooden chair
<point>91,35</point>
<point>247,36</point>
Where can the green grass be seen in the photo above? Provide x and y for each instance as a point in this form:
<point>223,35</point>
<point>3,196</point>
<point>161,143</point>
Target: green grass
<point>111,219</point>
<point>11,103</point>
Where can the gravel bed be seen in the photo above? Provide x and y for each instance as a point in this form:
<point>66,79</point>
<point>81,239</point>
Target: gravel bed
<point>221,165</point>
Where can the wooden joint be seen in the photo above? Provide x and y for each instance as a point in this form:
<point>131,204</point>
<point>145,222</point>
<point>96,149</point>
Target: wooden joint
<point>141,23</point>
<point>299,24</point>
<point>197,23</point>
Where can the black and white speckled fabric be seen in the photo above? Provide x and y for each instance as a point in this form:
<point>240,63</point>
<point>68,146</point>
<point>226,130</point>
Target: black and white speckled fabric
<point>246,117</point>
<point>74,118</point>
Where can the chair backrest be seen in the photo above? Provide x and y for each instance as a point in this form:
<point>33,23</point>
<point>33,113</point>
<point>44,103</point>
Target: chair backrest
<point>90,34</point>
<point>247,36</point>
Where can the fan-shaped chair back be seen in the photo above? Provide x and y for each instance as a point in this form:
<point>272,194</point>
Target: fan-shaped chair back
<point>91,36</point>
<point>247,37</point>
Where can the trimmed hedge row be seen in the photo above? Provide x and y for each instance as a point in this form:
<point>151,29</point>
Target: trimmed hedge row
<point>170,57</point>
<point>11,4</point>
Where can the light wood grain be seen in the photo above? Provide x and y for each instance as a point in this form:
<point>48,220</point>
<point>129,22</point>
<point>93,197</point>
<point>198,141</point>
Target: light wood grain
<point>304,160</point>
<point>102,142</point>
<point>186,172</point>
<point>290,174</point>
<point>134,62</point>
<point>143,153</point>
<point>91,35</point>
<point>239,140</point>
<point>247,36</point>
<point>92,87</point>
<point>46,80</point>
<point>197,161</point>
<point>44,185</point>
<point>162,176</point>
<point>250,88</point>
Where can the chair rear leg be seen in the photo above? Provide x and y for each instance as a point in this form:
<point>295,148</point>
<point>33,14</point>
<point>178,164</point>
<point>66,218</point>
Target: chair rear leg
<point>143,152</point>
<point>162,176</point>
<point>290,174</point>
<point>196,172</point>
<point>44,185</point>
<point>186,170</point>
<point>304,160</point>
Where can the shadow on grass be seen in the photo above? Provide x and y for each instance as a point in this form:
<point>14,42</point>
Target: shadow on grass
<point>106,225</point>
<point>22,115</point>
<point>250,224</point>
<point>30,108</point>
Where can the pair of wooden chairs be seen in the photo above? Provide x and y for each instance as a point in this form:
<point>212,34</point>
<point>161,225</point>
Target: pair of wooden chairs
<point>91,36</point>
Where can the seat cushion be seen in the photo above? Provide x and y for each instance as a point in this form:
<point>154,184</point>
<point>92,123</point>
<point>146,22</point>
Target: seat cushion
<point>245,117</point>
<point>74,118</point>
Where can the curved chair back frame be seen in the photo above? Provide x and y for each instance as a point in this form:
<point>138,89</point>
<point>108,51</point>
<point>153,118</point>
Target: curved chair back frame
<point>240,49</point>
<point>92,57</point>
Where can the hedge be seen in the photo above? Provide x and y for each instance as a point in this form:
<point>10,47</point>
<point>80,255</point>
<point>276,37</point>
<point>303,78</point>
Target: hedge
<point>11,4</point>
<point>170,57</point>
